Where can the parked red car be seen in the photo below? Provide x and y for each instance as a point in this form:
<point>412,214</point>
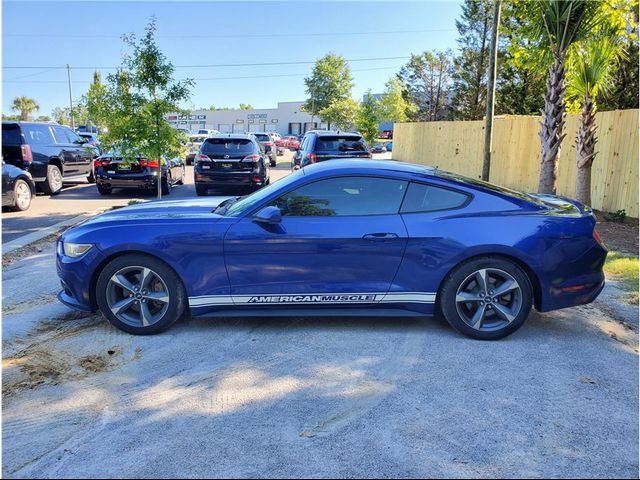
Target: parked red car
<point>292,142</point>
<point>386,134</point>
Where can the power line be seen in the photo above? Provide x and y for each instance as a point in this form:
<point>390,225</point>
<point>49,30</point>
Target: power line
<point>214,78</point>
<point>253,35</point>
<point>218,65</point>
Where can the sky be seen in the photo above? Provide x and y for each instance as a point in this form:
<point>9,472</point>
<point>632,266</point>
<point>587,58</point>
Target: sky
<point>87,35</point>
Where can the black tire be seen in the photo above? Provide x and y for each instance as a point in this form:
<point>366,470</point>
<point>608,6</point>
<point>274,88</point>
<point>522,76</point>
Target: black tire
<point>181,181</point>
<point>166,184</point>
<point>92,176</point>
<point>21,200</point>
<point>53,184</point>
<point>177,299</point>
<point>492,325</point>
<point>104,190</point>
<point>201,190</point>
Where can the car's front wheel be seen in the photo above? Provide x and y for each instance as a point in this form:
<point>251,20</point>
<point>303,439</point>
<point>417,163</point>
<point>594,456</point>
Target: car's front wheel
<point>486,298</point>
<point>140,294</point>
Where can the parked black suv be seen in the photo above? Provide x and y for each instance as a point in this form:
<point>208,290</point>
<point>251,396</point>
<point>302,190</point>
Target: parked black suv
<point>269,147</point>
<point>233,161</point>
<point>49,152</point>
<point>321,145</point>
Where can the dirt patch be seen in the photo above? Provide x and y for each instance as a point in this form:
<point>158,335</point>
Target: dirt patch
<point>28,250</point>
<point>619,236</point>
<point>24,306</point>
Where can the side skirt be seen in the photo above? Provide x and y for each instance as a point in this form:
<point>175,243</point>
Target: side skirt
<point>311,312</point>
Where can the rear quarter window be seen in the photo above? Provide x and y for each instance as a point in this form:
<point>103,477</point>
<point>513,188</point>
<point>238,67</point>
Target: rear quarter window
<point>11,135</point>
<point>38,134</point>
<point>428,198</point>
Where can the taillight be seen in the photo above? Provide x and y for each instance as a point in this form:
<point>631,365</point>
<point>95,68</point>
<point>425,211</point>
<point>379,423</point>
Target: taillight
<point>201,158</point>
<point>598,238</point>
<point>251,158</point>
<point>148,163</point>
<point>269,144</point>
<point>101,162</point>
<point>27,156</point>
<point>256,179</point>
<point>312,157</point>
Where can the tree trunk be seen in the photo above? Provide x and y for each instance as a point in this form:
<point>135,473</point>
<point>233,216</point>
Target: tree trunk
<point>585,150</point>
<point>552,126</point>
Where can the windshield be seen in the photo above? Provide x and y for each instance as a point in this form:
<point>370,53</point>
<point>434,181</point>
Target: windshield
<point>246,203</point>
<point>341,144</point>
<point>488,186</point>
<point>262,137</point>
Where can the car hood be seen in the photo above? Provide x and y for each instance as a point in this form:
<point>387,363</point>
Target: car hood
<point>160,210</point>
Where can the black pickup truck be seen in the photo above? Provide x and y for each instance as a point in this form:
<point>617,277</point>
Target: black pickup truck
<point>51,153</point>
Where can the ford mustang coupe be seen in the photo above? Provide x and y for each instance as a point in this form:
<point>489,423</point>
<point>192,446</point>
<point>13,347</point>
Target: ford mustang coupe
<point>347,237</point>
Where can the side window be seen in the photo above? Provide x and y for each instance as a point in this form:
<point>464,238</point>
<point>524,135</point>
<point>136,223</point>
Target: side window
<point>73,136</point>
<point>60,134</point>
<point>427,198</point>
<point>344,196</point>
<point>37,134</point>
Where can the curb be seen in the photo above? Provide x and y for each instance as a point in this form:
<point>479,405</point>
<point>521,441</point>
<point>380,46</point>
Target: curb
<point>25,240</point>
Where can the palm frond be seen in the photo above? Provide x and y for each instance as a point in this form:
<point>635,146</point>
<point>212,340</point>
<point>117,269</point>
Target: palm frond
<point>568,21</point>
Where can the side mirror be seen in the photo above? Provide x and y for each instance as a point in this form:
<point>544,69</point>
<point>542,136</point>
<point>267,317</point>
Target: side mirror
<point>270,215</point>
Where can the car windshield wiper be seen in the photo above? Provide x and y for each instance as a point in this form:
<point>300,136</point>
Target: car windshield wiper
<point>224,205</point>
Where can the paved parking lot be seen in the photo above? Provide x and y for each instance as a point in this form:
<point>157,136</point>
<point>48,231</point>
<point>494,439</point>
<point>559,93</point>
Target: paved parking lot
<point>309,397</point>
<point>81,197</point>
<point>322,397</point>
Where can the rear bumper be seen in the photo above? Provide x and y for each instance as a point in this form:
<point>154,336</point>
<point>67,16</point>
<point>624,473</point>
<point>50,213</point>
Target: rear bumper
<point>228,179</point>
<point>144,180</point>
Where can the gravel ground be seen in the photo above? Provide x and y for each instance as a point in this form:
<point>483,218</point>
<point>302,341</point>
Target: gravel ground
<point>297,397</point>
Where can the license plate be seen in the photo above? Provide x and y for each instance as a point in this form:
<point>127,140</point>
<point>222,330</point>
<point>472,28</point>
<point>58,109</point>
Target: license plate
<point>227,165</point>
<point>206,167</point>
<point>111,171</point>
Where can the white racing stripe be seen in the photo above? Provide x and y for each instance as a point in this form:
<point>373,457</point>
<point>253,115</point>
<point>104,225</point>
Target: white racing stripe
<point>312,299</point>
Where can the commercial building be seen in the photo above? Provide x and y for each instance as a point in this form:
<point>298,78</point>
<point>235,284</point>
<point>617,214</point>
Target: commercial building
<point>286,119</point>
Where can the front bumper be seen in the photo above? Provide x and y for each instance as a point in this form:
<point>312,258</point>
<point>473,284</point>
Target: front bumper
<point>76,278</point>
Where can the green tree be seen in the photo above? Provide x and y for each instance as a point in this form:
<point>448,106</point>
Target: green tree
<point>43,118</point>
<point>246,106</point>
<point>330,82</point>
<point>342,113</point>
<point>471,65</point>
<point>520,83</point>
<point>368,118</point>
<point>394,107</point>
<point>592,75</point>
<point>562,24</point>
<point>427,79</point>
<point>61,115</point>
<point>26,106</point>
<point>136,100</point>
<point>93,100</point>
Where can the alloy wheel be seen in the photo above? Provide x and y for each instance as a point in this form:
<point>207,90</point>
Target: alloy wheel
<point>56,179</point>
<point>489,299</point>
<point>22,196</point>
<point>137,296</point>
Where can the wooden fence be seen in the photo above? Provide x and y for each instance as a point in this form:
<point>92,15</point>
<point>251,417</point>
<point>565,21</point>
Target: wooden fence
<point>515,160</point>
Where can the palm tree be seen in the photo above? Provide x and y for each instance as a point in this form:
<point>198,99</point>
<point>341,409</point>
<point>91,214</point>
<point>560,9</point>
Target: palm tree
<point>25,105</point>
<point>563,22</point>
<point>593,69</point>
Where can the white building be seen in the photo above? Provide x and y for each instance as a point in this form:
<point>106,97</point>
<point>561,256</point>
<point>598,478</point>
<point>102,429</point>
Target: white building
<point>286,119</point>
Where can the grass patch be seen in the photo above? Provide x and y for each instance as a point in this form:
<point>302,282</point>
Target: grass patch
<point>624,269</point>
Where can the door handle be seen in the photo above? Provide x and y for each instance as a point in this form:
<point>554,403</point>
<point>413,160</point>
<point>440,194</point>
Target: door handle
<point>380,236</point>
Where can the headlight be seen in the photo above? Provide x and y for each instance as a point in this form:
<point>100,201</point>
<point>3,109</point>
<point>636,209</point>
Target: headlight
<point>75,250</point>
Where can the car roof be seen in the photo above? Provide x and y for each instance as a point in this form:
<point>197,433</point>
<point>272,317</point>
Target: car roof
<point>369,166</point>
<point>329,133</point>
<point>232,135</point>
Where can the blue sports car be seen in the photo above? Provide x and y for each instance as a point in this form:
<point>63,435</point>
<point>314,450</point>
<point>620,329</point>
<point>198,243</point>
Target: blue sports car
<point>347,237</point>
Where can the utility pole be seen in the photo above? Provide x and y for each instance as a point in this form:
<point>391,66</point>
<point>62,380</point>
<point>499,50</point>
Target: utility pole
<point>73,126</point>
<point>491,91</point>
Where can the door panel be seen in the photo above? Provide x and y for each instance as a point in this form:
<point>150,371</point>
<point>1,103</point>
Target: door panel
<point>314,255</point>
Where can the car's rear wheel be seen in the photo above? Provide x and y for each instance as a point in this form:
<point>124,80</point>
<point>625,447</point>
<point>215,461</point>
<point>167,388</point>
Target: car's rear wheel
<point>21,196</point>
<point>486,298</point>
<point>53,183</point>
<point>166,184</point>
<point>201,190</point>
<point>104,190</point>
<point>181,181</point>
<point>140,294</point>
<point>91,178</point>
